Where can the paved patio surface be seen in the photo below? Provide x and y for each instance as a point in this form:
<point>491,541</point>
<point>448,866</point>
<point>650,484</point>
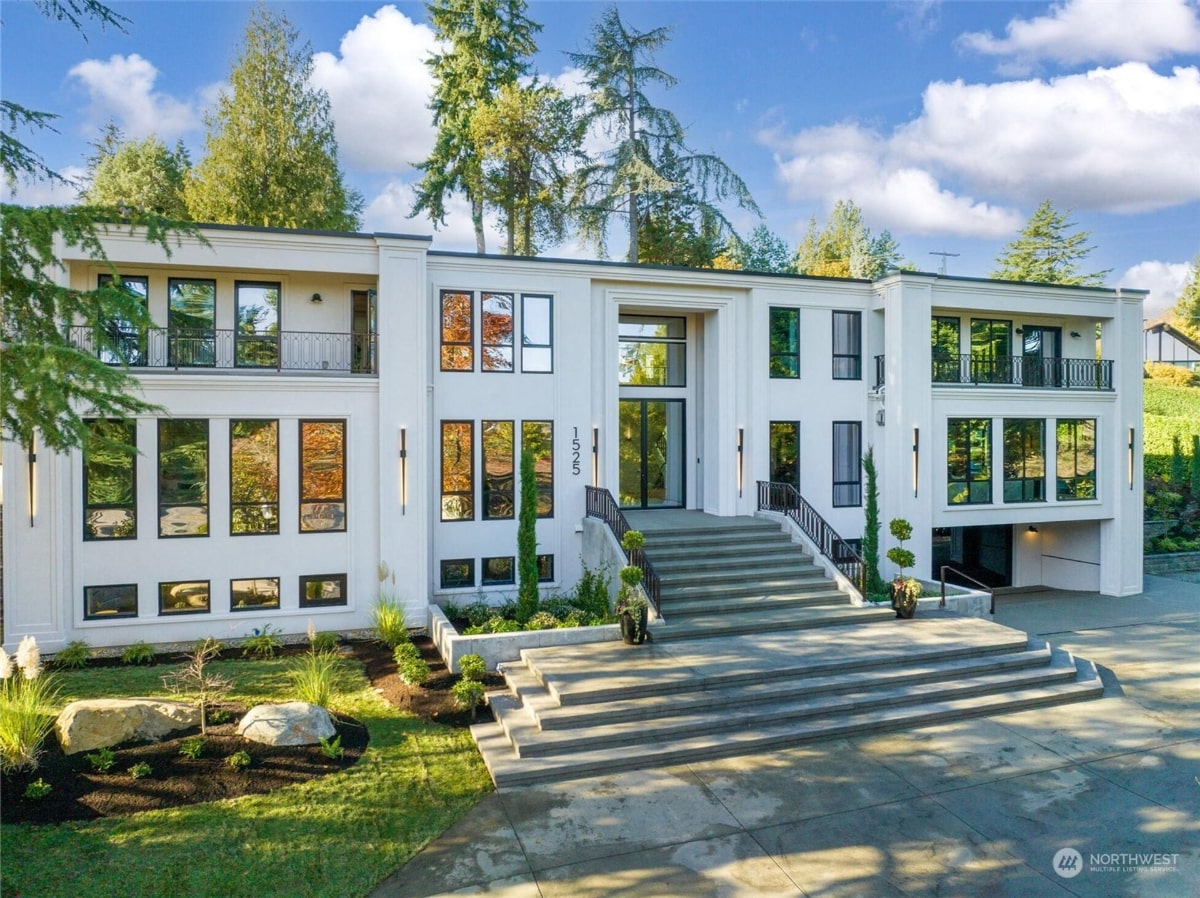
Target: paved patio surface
<point>978,807</point>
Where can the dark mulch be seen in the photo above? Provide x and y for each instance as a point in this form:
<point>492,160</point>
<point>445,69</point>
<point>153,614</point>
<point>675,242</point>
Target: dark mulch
<point>80,793</point>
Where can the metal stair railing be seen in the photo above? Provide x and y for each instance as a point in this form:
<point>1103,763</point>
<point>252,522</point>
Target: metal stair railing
<point>990,590</point>
<point>784,498</point>
<point>602,506</point>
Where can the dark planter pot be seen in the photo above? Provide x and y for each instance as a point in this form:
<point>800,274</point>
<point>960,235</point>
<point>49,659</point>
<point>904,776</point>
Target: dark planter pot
<point>901,604</point>
<point>634,629</point>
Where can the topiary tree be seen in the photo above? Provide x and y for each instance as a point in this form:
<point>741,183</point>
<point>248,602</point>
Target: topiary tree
<point>905,590</point>
<point>527,566</point>
<point>870,538</point>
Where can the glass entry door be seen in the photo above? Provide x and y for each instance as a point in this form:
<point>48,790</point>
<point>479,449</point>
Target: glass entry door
<point>652,453</point>
<point>1041,349</point>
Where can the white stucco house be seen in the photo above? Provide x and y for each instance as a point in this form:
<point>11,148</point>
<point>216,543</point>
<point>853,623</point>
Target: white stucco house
<point>344,405</point>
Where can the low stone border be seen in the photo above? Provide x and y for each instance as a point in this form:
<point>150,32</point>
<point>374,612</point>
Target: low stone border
<point>1171,563</point>
<point>496,648</point>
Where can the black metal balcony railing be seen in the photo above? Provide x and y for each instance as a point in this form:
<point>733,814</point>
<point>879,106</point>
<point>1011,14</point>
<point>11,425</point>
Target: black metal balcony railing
<point>602,505</point>
<point>285,351</point>
<point>1023,371</point>
<point>786,499</point>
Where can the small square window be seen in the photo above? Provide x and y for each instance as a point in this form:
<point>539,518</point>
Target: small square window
<point>107,602</point>
<point>319,590</point>
<point>184,597</point>
<point>545,565</point>
<point>498,571</point>
<point>458,573</point>
<point>254,595</point>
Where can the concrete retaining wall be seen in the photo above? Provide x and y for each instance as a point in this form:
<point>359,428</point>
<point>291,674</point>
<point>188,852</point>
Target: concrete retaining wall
<point>1172,563</point>
<point>497,647</point>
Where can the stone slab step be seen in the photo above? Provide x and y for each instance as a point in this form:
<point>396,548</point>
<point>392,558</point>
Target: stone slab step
<point>786,555</point>
<point>741,537</point>
<point>684,604</point>
<point>707,626</point>
<point>747,587</point>
<point>767,571</point>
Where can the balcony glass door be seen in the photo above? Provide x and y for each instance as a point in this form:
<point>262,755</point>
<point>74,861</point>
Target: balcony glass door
<point>1041,350</point>
<point>652,453</point>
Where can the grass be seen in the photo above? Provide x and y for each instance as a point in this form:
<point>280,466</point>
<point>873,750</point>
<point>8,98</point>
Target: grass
<point>338,835</point>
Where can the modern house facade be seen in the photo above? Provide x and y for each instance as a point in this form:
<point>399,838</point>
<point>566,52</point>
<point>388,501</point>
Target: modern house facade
<point>345,413</point>
<point>1169,345</point>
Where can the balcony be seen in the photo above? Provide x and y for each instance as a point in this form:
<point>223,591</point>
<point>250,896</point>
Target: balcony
<point>1024,371</point>
<point>224,349</point>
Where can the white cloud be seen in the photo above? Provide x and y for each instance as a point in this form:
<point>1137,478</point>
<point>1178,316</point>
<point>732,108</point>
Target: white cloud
<point>1164,280</point>
<point>379,88</point>
<point>388,212</point>
<point>1081,31</point>
<point>122,89</point>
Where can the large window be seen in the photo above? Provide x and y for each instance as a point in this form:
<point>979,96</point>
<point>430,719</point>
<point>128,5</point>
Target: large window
<point>497,439</point>
<point>182,477</point>
<point>1075,459</point>
<point>944,336</point>
<point>184,597</point>
<point>538,438</point>
<point>1024,460</point>
<point>653,351</point>
<point>458,331</point>
<point>498,571</point>
<point>127,340</point>
<point>253,476</point>
<point>969,461</point>
<point>458,573</point>
<point>545,564</point>
<point>537,334</point>
<point>320,590</point>
<point>785,452</point>
<point>458,471</point>
<point>107,602</point>
<point>496,331</point>
<point>257,594</point>
<point>110,481</point>
<point>847,346</point>
<point>847,463</point>
<point>191,322</point>
<point>256,336</point>
<point>322,476</point>
<point>785,342</point>
<point>991,351</point>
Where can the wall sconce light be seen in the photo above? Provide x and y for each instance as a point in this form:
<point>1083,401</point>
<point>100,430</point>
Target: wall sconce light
<point>1019,330</point>
<point>595,456</point>
<point>32,461</point>
<point>1131,439</point>
<point>316,298</point>
<point>403,470</point>
<point>1032,529</point>
<point>1075,335</point>
<point>740,453</point>
<point>880,417</point>
<point>916,456</point>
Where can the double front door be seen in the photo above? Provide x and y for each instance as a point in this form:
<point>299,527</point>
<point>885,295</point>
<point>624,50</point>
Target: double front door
<point>652,453</point>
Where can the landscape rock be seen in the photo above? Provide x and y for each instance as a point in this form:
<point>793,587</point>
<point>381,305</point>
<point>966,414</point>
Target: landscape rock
<point>291,723</point>
<point>94,723</point>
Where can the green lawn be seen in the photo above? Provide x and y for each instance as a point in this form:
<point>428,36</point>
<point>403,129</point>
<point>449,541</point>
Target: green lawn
<point>336,836</point>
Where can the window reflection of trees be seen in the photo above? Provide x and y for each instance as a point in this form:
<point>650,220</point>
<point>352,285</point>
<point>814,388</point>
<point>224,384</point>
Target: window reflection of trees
<point>497,331</point>
<point>322,475</point>
<point>183,477</point>
<point>538,436</point>
<point>458,353</point>
<point>458,481</point>
<point>497,439</point>
<point>254,476</point>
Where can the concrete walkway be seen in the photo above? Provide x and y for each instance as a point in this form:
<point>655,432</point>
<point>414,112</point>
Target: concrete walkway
<point>978,807</point>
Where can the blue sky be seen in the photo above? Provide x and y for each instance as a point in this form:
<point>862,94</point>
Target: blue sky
<point>947,122</point>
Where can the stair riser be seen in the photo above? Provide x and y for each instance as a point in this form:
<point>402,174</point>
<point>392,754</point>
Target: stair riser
<point>716,541</point>
<point>746,604</point>
<point>723,549</point>
<point>746,587</point>
<point>781,571</point>
<point>679,629</point>
<point>704,563</point>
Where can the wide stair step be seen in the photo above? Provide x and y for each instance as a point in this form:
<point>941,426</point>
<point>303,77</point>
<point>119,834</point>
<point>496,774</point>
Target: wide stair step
<point>767,620</point>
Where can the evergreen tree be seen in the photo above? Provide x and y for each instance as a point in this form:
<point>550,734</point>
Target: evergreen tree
<point>870,539</point>
<point>845,247</point>
<point>650,158</point>
<point>271,151</point>
<point>763,250</point>
<point>1186,313</point>
<point>1179,466</point>
<point>488,43</point>
<point>1047,252</point>
<point>142,175</point>
<point>527,566</point>
<point>1195,484</point>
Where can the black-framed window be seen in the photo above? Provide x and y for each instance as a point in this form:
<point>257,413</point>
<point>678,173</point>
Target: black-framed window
<point>653,351</point>
<point>991,351</point>
<point>946,348</point>
<point>321,590</point>
<point>785,452</point>
<point>192,322</point>
<point>458,471</point>
<point>253,476</point>
<point>496,438</point>
<point>182,477</point>
<point>110,481</point>
<point>498,571</point>
<point>322,476</point>
<point>1075,459</point>
<point>847,463</point>
<point>256,332</point>
<point>110,601</point>
<point>184,597</point>
<point>538,437</point>
<point>1024,460</point>
<point>457,573</point>
<point>254,594</point>
<point>496,331</point>
<point>847,345</point>
<point>785,342</point>
<point>537,333</point>
<point>127,339</point>
<point>969,461</point>
<point>545,564</point>
<point>458,331</point>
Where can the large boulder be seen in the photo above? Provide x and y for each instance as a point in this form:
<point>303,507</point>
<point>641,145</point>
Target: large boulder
<point>102,722</point>
<point>291,723</point>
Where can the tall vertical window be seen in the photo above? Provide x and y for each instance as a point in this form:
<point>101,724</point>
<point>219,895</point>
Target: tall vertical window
<point>182,477</point>
<point>538,438</point>
<point>653,351</point>
<point>191,322</point>
<point>991,351</point>
<point>458,471</point>
<point>847,463</point>
<point>253,476</point>
<point>946,347</point>
<point>537,330</point>
<point>322,476</point>
<point>127,341</point>
<point>458,331</point>
<point>1075,459</point>
<point>1024,460</point>
<point>785,342</point>
<point>497,439</point>
<point>496,330</point>
<point>256,336</point>
<point>785,452</point>
<point>110,481</point>
<point>969,461</point>
<point>847,345</point>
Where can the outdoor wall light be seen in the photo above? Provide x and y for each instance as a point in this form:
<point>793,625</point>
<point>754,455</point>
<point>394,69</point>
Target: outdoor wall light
<point>1131,439</point>
<point>595,456</point>
<point>316,298</point>
<point>1075,334</point>
<point>403,470</point>
<point>916,456</point>
<point>32,461</point>
<point>1019,330</point>
<point>740,455</point>
<point>1032,529</point>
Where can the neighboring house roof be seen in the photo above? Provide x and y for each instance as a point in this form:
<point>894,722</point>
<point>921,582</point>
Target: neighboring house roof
<point>1163,326</point>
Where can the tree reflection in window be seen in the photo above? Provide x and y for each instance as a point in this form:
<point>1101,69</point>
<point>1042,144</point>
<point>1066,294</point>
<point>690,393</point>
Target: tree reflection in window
<point>191,322</point>
<point>110,481</point>
<point>458,471</point>
<point>1075,463</point>
<point>653,351</point>
<point>256,339</point>
<point>497,439</point>
<point>322,476</point>
<point>497,331</point>
<point>538,436</point>
<point>785,343</point>
<point>458,332</point>
<point>253,476</point>
<point>182,477</point>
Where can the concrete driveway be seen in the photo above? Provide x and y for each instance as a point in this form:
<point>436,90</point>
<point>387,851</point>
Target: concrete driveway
<point>1097,798</point>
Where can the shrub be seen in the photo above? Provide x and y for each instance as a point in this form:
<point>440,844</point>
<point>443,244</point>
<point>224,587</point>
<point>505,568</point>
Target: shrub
<point>218,716</point>
<point>451,610</point>
<point>27,705</point>
<point>211,644</point>
<point>410,665</point>
<point>472,667</point>
<point>478,612</point>
<point>262,643</point>
<point>74,655</point>
<point>1175,375</point>
<point>39,788</point>
<point>140,770</point>
<point>468,694</point>
<point>102,760</point>
<point>591,594</point>
<point>542,621</point>
<point>194,680</point>
<point>239,760</point>
<point>313,675</point>
<point>332,748</point>
<point>192,747</point>
<point>139,653</point>
<point>387,620</point>
<point>324,642</point>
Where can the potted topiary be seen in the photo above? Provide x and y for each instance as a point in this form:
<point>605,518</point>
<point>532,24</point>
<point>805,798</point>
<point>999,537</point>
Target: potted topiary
<point>633,610</point>
<point>905,590</point>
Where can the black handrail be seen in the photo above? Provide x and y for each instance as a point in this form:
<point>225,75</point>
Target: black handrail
<point>602,505</point>
<point>1023,371</point>
<point>784,498</point>
<point>991,591</point>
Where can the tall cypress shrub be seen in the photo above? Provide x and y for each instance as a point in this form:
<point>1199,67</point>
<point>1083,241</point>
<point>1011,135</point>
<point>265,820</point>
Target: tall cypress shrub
<point>870,537</point>
<point>1196,468</point>
<point>1179,468</point>
<point>527,567</point>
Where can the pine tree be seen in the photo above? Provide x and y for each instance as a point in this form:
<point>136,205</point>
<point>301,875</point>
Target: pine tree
<point>845,247</point>
<point>1046,252</point>
<point>271,151</point>
<point>1186,313</point>
<point>870,539</point>
<point>142,175</point>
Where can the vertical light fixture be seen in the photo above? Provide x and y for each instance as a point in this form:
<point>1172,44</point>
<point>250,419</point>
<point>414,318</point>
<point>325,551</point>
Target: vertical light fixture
<point>403,470</point>
<point>596,456</point>
<point>32,462</point>
<point>916,458</point>
<point>740,455</point>
<point>1131,458</point>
